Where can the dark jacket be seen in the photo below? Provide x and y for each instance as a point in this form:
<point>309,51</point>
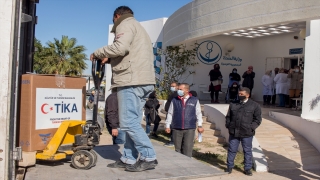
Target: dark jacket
<point>111,111</point>
<point>91,98</point>
<point>214,74</point>
<point>243,119</point>
<point>248,80</point>
<point>235,77</point>
<point>167,105</point>
<point>151,108</point>
<point>184,114</point>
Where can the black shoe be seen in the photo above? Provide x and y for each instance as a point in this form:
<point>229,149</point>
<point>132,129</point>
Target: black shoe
<point>117,164</point>
<point>154,135</point>
<point>228,170</point>
<point>248,172</point>
<point>169,144</point>
<point>142,165</point>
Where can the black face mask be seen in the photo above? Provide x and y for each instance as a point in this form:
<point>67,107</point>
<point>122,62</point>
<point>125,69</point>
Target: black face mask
<point>241,98</point>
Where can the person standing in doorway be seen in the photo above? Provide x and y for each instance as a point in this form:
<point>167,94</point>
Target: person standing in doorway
<point>267,83</point>
<point>215,86</point>
<point>242,120</point>
<point>296,83</point>
<point>281,81</point>
<point>173,88</point>
<point>184,113</point>
<point>274,96</point>
<point>248,79</point>
<point>134,77</point>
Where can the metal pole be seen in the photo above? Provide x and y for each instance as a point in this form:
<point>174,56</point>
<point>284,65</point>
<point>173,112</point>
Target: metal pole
<point>89,83</point>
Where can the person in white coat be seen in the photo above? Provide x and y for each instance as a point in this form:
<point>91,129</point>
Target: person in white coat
<point>281,81</point>
<point>267,83</point>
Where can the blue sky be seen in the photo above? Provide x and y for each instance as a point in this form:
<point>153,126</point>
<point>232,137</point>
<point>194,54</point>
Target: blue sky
<point>88,20</point>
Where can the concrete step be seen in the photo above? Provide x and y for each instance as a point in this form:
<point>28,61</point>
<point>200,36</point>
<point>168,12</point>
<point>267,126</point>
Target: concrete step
<point>208,125</point>
<point>213,139</point>
<point>211,132</point>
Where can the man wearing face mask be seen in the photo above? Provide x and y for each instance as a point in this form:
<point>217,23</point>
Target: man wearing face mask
<point>248,77</point>
<point>183,114</point>
<point>296,83</point>
<point>173,88</point>
<point>242,120</point>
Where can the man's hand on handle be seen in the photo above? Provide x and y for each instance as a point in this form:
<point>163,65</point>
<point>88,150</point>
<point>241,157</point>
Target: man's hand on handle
<point>103,60</point>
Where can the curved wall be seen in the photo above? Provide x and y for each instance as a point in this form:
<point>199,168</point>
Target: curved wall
<point>204,18</point>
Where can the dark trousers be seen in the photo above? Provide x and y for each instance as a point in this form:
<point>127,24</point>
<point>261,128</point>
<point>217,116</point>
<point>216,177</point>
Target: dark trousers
<point>183,141</point>
<point>214,94</point>
<point>233,149</point>
<point>250,92</point>
<point>282,100</point>
<point>266,99</point>
<point>171,134</point>
<point>274,97</point>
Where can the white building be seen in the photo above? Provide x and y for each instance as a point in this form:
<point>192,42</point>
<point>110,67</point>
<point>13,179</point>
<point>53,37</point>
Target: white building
<point>263,34</point>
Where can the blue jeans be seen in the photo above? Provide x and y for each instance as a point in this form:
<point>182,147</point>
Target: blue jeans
<point>155,127</point>
<point>120,139</point>
<point>131,100</point>
<point>233,149</point>
<point>282,100</point>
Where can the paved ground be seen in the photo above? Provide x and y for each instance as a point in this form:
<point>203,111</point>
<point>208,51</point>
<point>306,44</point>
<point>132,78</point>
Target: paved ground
<point>172,165</point>
<point>285,148</point>
<point>289,155</point>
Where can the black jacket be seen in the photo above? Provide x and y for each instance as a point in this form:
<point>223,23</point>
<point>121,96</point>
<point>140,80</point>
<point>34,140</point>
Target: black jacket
<point>151,108</point>
<point>214,74</point>
<point>243,119</point>
<point>235,77</point>
<point>172,95</point>
<point>248,80</point>
<point>111,111</point>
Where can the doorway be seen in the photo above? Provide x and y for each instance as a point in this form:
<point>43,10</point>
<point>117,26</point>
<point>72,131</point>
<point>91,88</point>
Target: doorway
<point>290,62</point>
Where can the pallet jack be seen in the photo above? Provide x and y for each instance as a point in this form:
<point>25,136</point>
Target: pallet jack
<point>77,138</point>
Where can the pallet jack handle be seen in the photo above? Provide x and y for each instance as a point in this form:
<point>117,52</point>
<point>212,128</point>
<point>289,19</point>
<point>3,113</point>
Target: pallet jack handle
<point>97,71</point>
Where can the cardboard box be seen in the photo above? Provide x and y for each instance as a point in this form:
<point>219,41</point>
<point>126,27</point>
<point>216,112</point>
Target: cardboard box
<point>46,101</point>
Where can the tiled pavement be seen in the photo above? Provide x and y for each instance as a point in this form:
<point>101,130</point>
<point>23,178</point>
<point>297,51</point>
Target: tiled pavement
<point>284,148</point>
<point>172,165</point>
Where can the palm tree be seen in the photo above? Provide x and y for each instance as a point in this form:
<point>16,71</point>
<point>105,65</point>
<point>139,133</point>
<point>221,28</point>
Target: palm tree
<point>60,57</point>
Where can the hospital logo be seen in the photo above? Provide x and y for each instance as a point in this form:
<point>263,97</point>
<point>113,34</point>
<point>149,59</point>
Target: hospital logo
<point>209,52</point>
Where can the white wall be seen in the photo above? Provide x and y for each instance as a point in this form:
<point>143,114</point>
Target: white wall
<point>205,18</point>
<point>311,84</point>
<point>7,20</point>
<point>242,47</point>
<point>252,52</point>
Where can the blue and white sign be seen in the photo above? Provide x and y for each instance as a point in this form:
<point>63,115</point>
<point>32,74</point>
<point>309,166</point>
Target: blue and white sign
<point>296,51</point>
<point>209,52</point>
